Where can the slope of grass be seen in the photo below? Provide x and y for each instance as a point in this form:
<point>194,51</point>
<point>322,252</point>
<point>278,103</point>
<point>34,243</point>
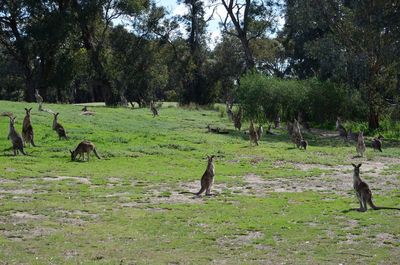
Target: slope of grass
<point>273,204</point>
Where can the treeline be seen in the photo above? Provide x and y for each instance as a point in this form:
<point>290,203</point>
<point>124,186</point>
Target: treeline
<point>331,58</point>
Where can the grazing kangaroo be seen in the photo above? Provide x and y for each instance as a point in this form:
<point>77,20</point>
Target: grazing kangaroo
<point>153,109</point>
<point>253,134</point>
<point>207,179</point>
<point>237,119</point>
<point>82,148</point>
<point>27,129</point>
<point>58,127</point>
<point>377,143</point>
<point>16,139</point>
<point>360,147</point>
<point>364,194</point>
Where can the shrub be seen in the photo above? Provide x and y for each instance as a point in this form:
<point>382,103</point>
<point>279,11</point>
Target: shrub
<point>263,97</point>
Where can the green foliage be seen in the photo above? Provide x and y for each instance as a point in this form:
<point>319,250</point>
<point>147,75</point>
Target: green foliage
<point>264,97</point>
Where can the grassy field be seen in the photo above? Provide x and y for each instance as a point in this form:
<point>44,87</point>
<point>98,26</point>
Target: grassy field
<point>274,204</point>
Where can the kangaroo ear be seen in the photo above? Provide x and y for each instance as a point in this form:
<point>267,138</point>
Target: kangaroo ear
<point>30,109</point>
<point>353,165</point>
<point>26,109</point>
<point>359,165</point>
<point>71,151</point>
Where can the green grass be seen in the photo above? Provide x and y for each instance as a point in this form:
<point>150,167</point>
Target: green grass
<point>127,207</point>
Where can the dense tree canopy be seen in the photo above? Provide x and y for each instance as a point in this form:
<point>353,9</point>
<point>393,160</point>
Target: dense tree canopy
<point>112,50</point>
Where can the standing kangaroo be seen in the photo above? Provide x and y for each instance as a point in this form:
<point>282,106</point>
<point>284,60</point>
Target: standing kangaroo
<point>364,194</point>
<point>237,119</point>
<point>253,134</point>
<point>277,122</point>
<point>58,127</point>
<point>153,109</point>
<point>229,111</point>
<point>207,179</point>
<point>377,143</point>
<point>16,139</point>
<point>82,148</point>
<point>341,129</point>
<point>27,129</point>
<point>260,131</point>
<point>360,147</point>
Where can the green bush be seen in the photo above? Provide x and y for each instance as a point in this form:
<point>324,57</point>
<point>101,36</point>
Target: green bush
<point>263,97</point>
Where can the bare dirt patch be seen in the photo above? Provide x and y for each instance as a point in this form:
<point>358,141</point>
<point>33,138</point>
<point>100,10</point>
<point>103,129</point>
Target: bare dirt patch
<point>239,241</point>
<point>18,191</point>
<point>24,217</point>
<point>382,239</point>
<point>338,180</point>
<point>81,180</point>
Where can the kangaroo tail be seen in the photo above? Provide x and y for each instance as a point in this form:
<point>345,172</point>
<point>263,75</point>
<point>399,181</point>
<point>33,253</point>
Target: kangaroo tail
<point>373,206</point>
<point>201,191</point>
<point>96,154</point>
<point>187,192</point>
<point>33,142</point>
<point>22,151</point>
<point>386,208</point>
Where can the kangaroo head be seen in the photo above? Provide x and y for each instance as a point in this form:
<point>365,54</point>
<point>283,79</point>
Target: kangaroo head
<point>56,115</point>
<point>12,120</point>
<point>210,158</point>
<point>356,168</point>
<point>28,111</point>
<point>72,155</point>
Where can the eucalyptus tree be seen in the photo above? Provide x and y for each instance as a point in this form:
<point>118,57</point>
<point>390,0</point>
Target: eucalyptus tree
<point>248,20</point>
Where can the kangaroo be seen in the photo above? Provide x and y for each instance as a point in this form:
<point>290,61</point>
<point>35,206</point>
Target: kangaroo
<point>207,179</point>
<point>39,100</point>
<point>7,114</point>
<point>253,134</point>
<point>260,132</point>
<point>377,143</point>
<point>237,119</point>
<point>277,122</point>
<point>16,139</point>
<point>153,109</point>
<point>352,135</point>
<point>82,148</point>
<point>341,129</point>
<point>303,144</point>
<point>27,129</point>
<point>364,194</point>
<point>360,147</point>
<point>229,111</point>
<point>58,127</point>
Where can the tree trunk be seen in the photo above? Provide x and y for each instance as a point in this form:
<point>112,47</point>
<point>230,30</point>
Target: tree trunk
<point>373,119</point>
<point>29,86</point>
<point>247,53</point>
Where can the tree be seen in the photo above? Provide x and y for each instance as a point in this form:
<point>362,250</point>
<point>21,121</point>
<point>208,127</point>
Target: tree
<point>32,33</point>
<point>248,20</point>
<point>369,33</point>
<point>95,18</point>
<point>194,79</point>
